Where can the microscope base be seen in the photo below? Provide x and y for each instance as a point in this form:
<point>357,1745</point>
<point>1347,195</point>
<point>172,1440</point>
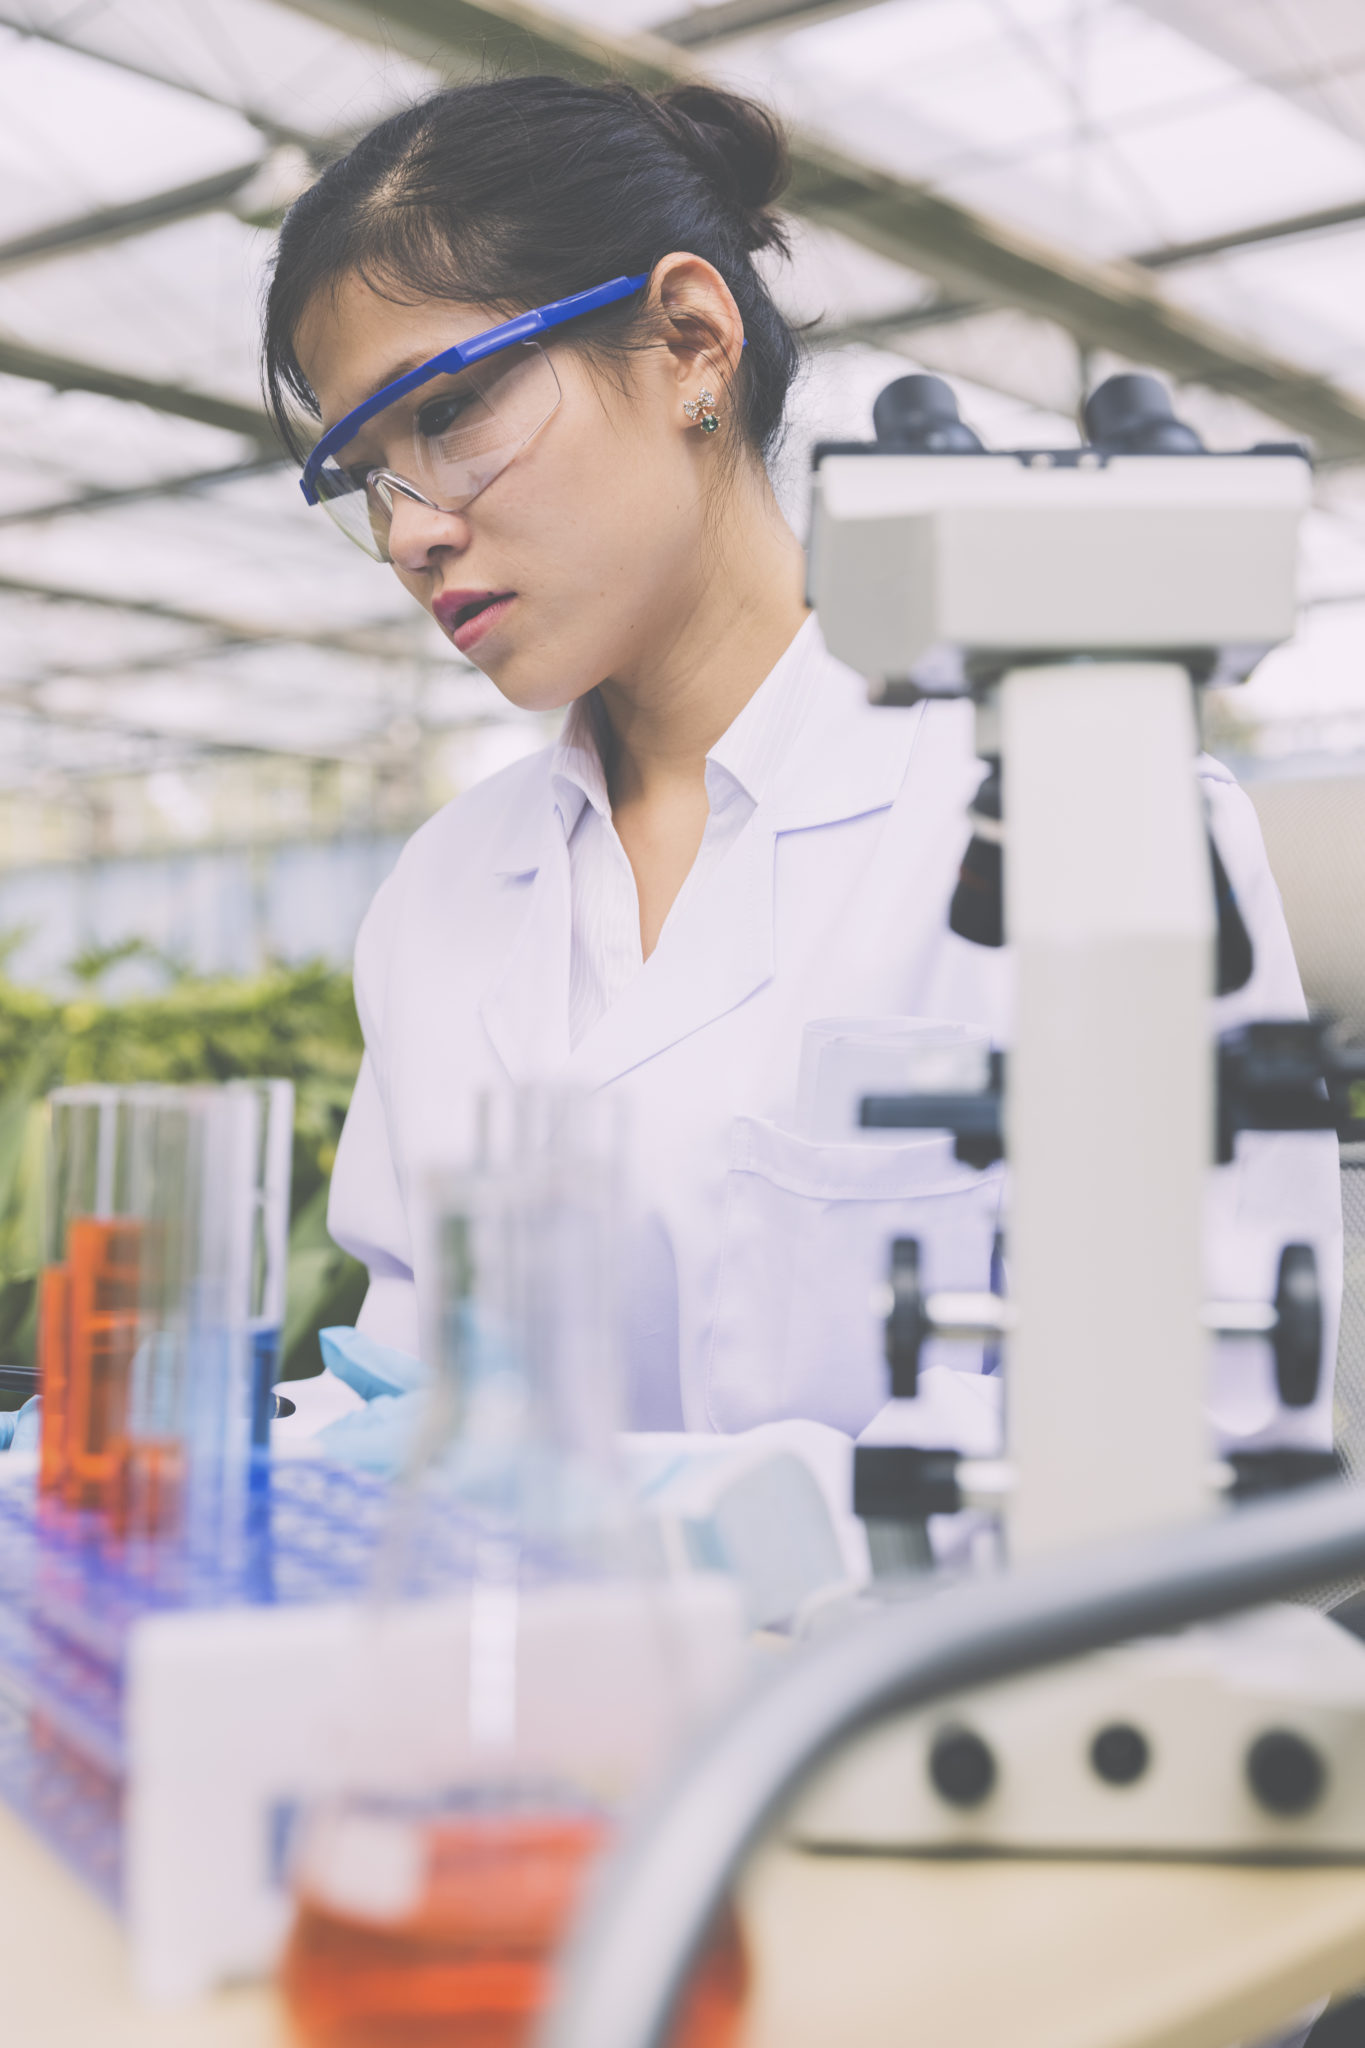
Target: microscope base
<point>1244,1740</point>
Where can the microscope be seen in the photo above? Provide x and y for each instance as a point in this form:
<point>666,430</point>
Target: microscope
<point>1081,597</point>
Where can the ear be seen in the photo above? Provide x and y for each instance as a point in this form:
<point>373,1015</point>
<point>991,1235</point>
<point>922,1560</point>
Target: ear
<point>699,321</point>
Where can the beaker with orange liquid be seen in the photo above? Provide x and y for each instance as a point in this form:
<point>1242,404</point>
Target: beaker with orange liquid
<point>436,1915</point>
<point>420,1926</point>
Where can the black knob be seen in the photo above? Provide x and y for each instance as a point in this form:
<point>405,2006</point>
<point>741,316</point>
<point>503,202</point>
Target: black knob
<point>1285,1772</point>
<point>961,1767</point>
<point>1233,953</point>
<point>1132,415</point>
<point>1297,1339</point>
<point>1120,1753</point>
<point>919,416</point>
<point>907,1325</point>
<point>977,911</point>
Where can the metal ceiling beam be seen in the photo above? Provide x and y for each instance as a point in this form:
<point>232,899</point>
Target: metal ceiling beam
<point>1290,228</point>
<point>107,224</point>
<point>1116,305</point>
<point>199,743</point>
<point>372,642</point>
<point>183,486</point>
<point>701,27</point>
<point>944,311</point>
<point>940,312</point>
<point>274,130</point>
<point>40,366</point>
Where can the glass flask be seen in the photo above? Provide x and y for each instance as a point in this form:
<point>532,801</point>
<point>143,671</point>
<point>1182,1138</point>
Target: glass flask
<point>433,1913</point>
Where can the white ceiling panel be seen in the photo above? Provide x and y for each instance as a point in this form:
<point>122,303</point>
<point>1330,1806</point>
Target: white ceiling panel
<point>1111,126</point>
<point>76,135</point>
<point>273,64</point>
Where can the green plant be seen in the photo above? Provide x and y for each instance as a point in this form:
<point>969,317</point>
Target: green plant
<point>298,1023</point>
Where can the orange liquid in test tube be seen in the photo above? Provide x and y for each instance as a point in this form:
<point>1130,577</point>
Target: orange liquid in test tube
<point>151,1496</point>
<point>104,1263</point>
<point>470,1965</point>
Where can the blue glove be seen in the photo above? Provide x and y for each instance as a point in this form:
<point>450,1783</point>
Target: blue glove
<point>371,1369</point>
<point>19,1426</point>
<point>381,1437</point>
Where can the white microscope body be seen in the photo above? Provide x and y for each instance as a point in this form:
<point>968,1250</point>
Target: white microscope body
<point>1077,594</point>
<point>1084,589</point>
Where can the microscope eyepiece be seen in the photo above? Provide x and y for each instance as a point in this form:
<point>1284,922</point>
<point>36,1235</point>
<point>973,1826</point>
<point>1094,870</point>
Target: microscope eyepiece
<point>918,415</point>
<point>1132,414</point>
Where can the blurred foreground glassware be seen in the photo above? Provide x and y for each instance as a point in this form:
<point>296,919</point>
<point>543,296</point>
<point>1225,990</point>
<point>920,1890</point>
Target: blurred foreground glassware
<point>434,1914</point>
<point>165,1226</point>
<point>267,1272</point>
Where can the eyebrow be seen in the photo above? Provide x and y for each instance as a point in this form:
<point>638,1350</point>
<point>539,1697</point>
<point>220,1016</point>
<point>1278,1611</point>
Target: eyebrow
<point>390,376</point>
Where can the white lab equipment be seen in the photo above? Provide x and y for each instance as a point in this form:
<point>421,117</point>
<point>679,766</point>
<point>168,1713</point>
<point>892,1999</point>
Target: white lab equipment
<point>1109,903</point>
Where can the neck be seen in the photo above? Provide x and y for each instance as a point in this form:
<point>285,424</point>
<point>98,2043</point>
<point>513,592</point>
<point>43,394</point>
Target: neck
<point>730,627</point>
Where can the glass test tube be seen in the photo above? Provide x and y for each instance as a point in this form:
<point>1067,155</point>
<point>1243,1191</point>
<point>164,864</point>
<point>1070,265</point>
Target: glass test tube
<point>267,1273</point>
<point>87,1297</point>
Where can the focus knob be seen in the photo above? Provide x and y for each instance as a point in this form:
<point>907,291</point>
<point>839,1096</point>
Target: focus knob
<point>1285,1772</point>
<point>1297,1338</point>
<point>961,1767</point>
<point>919,416</point>
<point>1132,415</point>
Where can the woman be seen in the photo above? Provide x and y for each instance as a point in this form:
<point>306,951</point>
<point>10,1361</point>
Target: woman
<point>726,843</point>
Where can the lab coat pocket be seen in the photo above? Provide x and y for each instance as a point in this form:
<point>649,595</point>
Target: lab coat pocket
<point>806,1233</point>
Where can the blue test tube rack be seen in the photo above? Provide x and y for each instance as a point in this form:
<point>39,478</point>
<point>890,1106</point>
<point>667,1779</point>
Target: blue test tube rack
<point>70,1597</point>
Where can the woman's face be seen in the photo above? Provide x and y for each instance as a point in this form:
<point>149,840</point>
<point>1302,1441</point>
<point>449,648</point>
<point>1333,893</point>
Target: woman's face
<point>593,539</point>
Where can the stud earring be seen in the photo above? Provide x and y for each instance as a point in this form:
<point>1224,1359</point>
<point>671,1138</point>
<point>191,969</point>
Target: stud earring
<point>701,410</point>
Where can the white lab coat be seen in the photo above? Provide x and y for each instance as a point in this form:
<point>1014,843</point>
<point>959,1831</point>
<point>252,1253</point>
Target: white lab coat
<point>752,1248</point>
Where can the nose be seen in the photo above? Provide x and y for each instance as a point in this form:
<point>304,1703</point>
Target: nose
<point>419,535</point>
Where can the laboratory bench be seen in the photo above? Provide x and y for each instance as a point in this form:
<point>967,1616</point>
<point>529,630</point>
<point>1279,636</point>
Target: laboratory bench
<point>850,1952</point>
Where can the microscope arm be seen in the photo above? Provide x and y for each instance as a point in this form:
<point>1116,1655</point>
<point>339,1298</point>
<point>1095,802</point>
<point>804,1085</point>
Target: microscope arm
<point>651,1914</point>
<point>661,1892</point>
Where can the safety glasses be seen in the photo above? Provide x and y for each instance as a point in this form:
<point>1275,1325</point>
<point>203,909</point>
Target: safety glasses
<point>441,433</point>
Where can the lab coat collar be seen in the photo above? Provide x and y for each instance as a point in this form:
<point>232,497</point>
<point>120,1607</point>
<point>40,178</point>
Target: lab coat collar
<point>847,759</point>
<point>811,754</point>
<point>577,776</point>
<point>755,744</point>
<point>830,759</point>
<point>525,1010</point>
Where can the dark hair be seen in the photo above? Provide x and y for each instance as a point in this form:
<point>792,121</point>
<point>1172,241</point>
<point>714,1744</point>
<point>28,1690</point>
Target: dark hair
<point>518,191</point>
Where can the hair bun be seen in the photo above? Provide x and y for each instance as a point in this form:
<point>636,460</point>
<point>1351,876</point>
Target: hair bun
<point>739,147</point>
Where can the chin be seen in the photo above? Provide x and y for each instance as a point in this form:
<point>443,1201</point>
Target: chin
<point>538,681</point>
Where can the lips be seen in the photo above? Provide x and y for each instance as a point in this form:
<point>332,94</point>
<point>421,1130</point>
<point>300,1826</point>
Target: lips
<point>467,615</point>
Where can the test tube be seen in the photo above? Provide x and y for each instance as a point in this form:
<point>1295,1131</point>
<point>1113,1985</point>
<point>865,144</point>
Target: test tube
<point>87,1299</point>
<point>198,1154</point>
<point>267,1271</point>
<point>164,1161</point>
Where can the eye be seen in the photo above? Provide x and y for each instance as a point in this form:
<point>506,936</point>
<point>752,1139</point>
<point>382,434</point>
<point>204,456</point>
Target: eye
<point>439,415</point>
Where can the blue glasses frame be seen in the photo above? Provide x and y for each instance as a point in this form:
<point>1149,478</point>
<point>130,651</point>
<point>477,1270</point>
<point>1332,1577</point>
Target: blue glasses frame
<point>525,327</point>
